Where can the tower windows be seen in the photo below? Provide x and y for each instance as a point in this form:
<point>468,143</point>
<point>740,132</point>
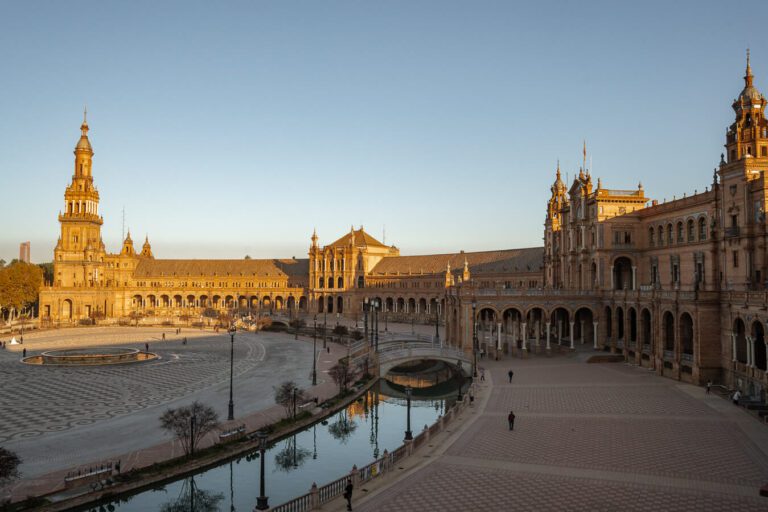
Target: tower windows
<point>702,228</point>
<point>735,259</point>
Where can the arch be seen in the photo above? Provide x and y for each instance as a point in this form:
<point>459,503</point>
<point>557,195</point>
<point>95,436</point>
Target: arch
<point>278,302</point>
<point>651,237</point>
<point>303,303</point>
<point>203,301</point>
<point>670,236</point>
<point>190,301</point>
<point>702,228</point>
<point>137,302</point>
<point>422,305</point>
<point>620,323</point>
<point>400,304</point>
<point>669,331</point>
<point>340,304</point>
<point>632,324</point>
<point>622,273</point>
<point>691,230</point>
<point>330,282</point>
<point>741,340</point>
<point>216,301</point>
<point>242,301</point>
<point>152,301</point>
<point>758,345</point>
<point>165,301</point>
<point>608,321</point>
<point>389,304</point>
<point>679,231</point>
<point>412,306</point>
<point>177,301</point>
<point>330,304</point>
<point>67,310</point>
<point>360,282</point>
<point>254,302</point>
<point>560,318</point>
<point>290,303</point>
<point>646,334</point>
<point>340,283</point>
<point>584,327</point>
<point>266,302</point>
<point>686,334</point>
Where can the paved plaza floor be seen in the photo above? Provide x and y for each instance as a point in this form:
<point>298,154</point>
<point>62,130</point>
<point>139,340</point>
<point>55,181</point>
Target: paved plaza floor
<point>57,417</point>
<point>588,437</point>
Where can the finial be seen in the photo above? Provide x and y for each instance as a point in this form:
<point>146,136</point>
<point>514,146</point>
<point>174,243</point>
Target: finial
<point>599,183</point>
<point>640,185</point>
<point>748,76</point>
<point>85,113</point>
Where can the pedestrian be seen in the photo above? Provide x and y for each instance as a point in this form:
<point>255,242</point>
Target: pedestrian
<point>471,397</point>
<point>709,386</point>
<point>510,373</point>
<point>482,374</point>
<point>736,396</point>
<point>511,420</point>
<point>24,353</point>
<point>146,347</point>
<point>348,493</point>
<point>163,336</point>
<point>185,340</point>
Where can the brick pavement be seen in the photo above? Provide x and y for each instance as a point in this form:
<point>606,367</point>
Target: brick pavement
<point>589,437</point>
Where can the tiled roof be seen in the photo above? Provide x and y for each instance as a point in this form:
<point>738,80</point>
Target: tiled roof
<point>486,262</point>
<point>362,239</point>
<point>218,268</point>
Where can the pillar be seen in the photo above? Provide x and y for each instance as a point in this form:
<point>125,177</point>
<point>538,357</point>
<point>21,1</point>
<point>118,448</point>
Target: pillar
<point>498,339</point>
<point>572,324</point>
<point>733,348</point>
<point>750,358</point>
<point>634,277</point>
<point>524,335</point>
<point>548,329</point>
<point>559,332</point>
<point>594,335</point>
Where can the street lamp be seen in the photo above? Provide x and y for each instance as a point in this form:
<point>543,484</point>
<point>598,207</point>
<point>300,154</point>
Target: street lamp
<point>408,433</point>
<point>262,502</point>
<point>314,354</point>
<point>474,338</point>
<point>376,306</point>
<point>232,329</point>
<point>366,307</point>
<point>325,326</point>
<point>437,322</point>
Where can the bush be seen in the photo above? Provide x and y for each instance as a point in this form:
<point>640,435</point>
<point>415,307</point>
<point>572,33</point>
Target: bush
<point>357,335</point>
<point>85,321</point>
<point>341,330</point>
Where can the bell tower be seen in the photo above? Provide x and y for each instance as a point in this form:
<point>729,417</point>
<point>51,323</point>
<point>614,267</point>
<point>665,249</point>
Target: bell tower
<point>80,248</point>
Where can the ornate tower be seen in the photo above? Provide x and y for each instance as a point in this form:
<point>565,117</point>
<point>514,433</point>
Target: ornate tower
<point>79,253</point>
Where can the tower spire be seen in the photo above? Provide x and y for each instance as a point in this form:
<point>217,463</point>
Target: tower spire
<point>748,76</point>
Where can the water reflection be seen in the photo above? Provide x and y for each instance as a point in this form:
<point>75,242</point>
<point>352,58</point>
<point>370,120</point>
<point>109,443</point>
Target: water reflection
<point>321,453</point>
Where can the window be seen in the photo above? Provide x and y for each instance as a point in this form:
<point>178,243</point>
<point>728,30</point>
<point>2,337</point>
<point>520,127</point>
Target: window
<point>669,234</point>
<point>676,273</point>
<point>691,230</point>
<point>763,150</point>
<point>734,220</point>
<point>650,237</point>
<point>679,232</point>
<point>661,235</point>
<point>735,259</point>
<point>702,228</point>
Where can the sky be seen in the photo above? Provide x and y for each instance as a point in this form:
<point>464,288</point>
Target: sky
<point>231,128</point>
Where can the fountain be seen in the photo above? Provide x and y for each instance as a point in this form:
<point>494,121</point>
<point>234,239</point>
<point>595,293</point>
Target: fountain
<point>90,357</point>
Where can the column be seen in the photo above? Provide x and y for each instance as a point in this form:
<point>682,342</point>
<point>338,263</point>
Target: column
<point>559,332</point>
<point>634,277</point>
<point>548,328</point>
<point>582,332</point>
<point>538,332</point>
<point>514,333</point>
<point>524,335</point>
<point>750,362</point>
<point>572,324</point>
<point>594,335</point>
<point>498,339</point>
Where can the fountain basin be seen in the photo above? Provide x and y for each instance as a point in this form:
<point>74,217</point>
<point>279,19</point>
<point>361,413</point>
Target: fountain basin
<point>90,357</point>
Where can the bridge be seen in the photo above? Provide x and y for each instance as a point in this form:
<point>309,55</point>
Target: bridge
<point>397,349</point>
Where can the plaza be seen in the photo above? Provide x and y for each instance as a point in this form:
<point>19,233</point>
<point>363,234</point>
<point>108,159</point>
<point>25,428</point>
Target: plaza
<point>586,437</point>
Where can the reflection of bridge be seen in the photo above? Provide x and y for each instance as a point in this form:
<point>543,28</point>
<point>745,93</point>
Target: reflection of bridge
<point>403,348</point>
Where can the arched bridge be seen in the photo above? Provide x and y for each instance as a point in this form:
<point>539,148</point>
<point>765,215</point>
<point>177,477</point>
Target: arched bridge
<point>398,350</point>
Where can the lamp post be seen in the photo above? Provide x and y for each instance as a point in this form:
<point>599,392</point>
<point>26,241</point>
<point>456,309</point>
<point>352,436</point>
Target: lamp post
<point>386,329</point>
<point>325,327</point>
<point>231,414</point>
<point>437,323</point>
<point>474,338</point>
<point>262,502</point>
<point>314,354</point>
<point>366,306</point>
<point>376,306</point>
<point>408,433</point>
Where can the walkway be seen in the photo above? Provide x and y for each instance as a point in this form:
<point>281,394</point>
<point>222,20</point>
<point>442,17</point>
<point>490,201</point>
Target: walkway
<point>589,437</point>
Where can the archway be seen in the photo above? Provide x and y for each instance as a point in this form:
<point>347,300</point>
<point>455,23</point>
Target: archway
<point>138,302</point>
<point>758,341</point>
<point>608,322</point>
<point>303,303</point>
<point>422,306</point>
<point>669,332</point>
<point>177,301</point>
<point>632,325</point>
<point>389,304</point>
<point>686,334</point>
<point>511,319</point>
<point>583,327</point>
<point>645,328</point>
<point>622,274</point>
<point>291,303</point>
<point>66,309</point>
<point>486,335</point>
<point>400,305</point>
<point>412,306</point>
<point>278,302</point>
<point>330,304</point>
<point>741,340</point>
<point>561,321</point>
<point>340,304</point>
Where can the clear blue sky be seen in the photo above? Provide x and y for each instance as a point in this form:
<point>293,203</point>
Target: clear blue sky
<point>235,128</point>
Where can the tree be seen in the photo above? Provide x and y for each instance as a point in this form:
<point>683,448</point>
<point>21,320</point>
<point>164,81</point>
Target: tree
<point>9,465</point>
<point>340,374</point>
<point>19,287</point>
<point>192,498</point>
<point>342,428</point>
<point>190,424</point>
<point>290,396</point>
<point>47,271</point>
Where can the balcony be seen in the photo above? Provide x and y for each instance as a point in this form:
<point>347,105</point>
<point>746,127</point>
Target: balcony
<point>732,231</point>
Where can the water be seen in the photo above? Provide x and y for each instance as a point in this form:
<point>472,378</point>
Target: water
<point>322,453</point>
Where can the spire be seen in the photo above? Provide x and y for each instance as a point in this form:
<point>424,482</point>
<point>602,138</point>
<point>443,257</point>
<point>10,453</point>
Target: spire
<point>748,76</point>
<point>584,152</point>
<point>314,237</point>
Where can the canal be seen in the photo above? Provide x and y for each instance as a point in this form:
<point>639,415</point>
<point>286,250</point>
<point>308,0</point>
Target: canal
<point>320,453</point>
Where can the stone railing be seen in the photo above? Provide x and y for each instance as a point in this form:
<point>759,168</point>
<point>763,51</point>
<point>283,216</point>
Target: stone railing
<point>319,496</point>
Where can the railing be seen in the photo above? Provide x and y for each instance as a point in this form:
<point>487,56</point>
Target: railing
<point>686,357</point>
<point>318,496</point>
<point>669,354</point>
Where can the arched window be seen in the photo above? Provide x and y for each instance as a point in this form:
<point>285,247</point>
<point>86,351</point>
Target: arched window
<point>330,282</point>
<point>340,284</point>
<point>651,240</point>
<point>321,284</point>
<point>691,230</point>
<point>679,232</point>
<point>360,282</point>
<point>670,239</point>
<point>702,228</point>
<point>661,235</point>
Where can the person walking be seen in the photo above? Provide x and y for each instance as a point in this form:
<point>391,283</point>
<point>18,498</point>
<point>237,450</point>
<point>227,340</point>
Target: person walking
<point>709,386</point>
<point>24,353</point>
<point>348,493</point>
<point>163,336</point>
<point>146,347</point>
<point>736,397</point>
<point>482,374</point>
<point>510,373</point>
<point>511,420</point>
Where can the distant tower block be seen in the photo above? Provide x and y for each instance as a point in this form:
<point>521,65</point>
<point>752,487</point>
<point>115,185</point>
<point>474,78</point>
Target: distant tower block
<point>24,252</point>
